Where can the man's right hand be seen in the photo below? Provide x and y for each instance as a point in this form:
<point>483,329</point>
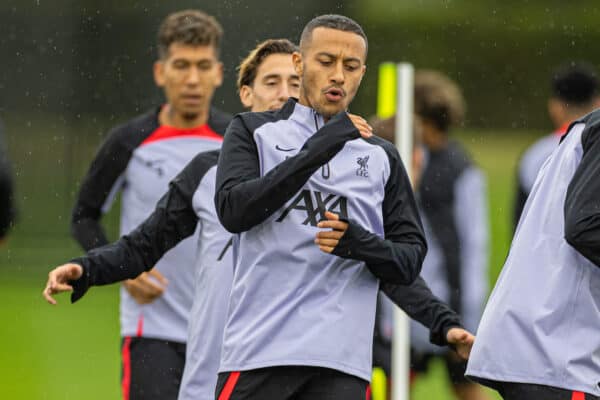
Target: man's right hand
<point>147,287</point>
<point>58,280</point>
<point>361,124</point>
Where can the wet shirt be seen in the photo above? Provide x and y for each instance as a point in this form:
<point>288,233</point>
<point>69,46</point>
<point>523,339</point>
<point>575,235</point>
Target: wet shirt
<point>292,304</point>
<point>542,320</point>
<point>186,208</point>
<point>139,159</point>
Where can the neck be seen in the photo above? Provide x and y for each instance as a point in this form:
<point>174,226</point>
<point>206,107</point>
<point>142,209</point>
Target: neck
<point>305,102</point>
<point>436,140</point>
<point>168,116</point>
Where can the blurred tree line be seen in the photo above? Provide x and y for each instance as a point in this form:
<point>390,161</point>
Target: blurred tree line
<point>94,57</point>
<point>70,69</point>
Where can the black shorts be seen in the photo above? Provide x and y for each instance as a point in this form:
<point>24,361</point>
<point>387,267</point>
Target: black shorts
<point>151,368</point>
<point>527,391</point>
<point>419,363</point>
<point>293,382</point>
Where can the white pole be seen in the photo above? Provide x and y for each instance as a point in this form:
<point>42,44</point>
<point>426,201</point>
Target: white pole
<point>404,143</point>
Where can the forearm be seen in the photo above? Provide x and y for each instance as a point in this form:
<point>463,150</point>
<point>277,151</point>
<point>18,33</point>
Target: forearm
<point>396,262</point>
<point>423,306</point>
<point>89,233</point>
<point>244,200</point>
<point>173,220</point>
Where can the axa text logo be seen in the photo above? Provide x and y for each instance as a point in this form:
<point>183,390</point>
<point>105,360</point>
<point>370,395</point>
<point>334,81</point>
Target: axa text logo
<point>314,204</point>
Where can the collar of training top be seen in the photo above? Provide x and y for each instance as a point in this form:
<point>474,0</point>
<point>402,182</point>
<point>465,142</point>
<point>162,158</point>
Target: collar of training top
<point>304,115</point>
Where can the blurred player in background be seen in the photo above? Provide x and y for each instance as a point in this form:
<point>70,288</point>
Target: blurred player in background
<point>138,159</point>
<point>574,93</point>
<point>416,300</point>
<point>453,200</point>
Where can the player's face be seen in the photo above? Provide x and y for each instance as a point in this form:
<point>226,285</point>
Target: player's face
<point>189,76</point>
<point>331,66</point>
<point>276,81</point>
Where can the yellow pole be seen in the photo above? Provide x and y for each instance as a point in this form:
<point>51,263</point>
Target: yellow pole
<point>386,90</point>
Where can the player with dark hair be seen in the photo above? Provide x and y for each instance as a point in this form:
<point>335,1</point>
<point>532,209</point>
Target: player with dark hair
<point>575,92</point>
<point>265,79</point>
<point>453,202</point>
<point>539,335</point>
<point>139,158</point>
<point>321,211</point>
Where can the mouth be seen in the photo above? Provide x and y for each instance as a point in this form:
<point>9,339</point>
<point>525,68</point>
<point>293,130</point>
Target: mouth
<point>191,99</point>
<point>276,106</point>
<point>334,94</point>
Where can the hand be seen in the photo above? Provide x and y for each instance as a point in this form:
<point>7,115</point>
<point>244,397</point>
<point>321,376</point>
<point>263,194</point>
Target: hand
<point>58,280</point>
<point>327,240</point>
<point>462,340</point>
<point>147,287</point>
<point>361,124</point>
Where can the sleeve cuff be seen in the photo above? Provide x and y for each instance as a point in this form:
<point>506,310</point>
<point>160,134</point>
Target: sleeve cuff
<point>81,285</point>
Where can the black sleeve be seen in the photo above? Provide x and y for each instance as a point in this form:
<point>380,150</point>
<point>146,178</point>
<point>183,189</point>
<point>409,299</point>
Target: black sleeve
<point>7,206</point>
<point>173,220</point>
<point>106,168</point>
<point>396,258</point>
<point>420,304</point>
<point>582,202</point>
<point>519,205</point>
<point>243,198</point>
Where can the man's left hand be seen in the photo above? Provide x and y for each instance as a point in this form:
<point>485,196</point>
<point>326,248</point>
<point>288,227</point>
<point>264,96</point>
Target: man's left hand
<point>462,340</point>
<point>328,240</point>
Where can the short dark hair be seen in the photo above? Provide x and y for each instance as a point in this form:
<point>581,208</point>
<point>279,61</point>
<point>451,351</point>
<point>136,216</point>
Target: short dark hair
<point>438,99</point>
<point>575,82</point>
<point>249,66</point>
<point>332,21</point>
<point>189,27</point>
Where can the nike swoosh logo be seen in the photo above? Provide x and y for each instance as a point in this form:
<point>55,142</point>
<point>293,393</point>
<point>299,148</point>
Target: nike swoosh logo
<point>282,149</point>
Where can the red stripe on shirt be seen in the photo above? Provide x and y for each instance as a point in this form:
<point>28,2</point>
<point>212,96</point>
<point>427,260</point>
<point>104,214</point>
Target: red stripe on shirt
<point>229,385</point>
<point>126,359</point>
<point>578,396</point>
<point>165,132</point>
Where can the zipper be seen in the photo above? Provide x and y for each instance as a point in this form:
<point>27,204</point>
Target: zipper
<point>325,171</point>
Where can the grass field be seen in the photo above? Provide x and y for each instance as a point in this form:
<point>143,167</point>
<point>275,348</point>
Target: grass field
<point>72,351</point>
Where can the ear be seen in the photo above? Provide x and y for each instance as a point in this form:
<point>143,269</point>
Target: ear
<point>246,96</point>
<point>297,61</point>
<point>159,73</point>
<point>219,79</point>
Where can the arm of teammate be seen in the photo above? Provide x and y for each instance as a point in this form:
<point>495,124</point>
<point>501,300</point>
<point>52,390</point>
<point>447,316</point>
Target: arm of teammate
<point>420,304</point>
<point>244,199</point>
<point>173,220</point>
<point>398,256</point>
<point>582,202</point>
<point>104,172</point>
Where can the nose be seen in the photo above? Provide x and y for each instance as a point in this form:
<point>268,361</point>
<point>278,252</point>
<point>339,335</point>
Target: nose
<point>193,76</point>
<point>284,92</point>
<point>337,76</point>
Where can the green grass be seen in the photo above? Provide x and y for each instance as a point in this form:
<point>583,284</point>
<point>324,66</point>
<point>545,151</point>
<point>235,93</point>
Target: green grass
<point>72,351</point>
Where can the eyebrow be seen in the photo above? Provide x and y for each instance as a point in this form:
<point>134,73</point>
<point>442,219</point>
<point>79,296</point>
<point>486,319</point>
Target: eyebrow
<point>348,59</point>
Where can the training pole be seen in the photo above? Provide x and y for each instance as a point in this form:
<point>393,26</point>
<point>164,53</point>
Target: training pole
<point>395,97</point>
<point>404,143</point>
